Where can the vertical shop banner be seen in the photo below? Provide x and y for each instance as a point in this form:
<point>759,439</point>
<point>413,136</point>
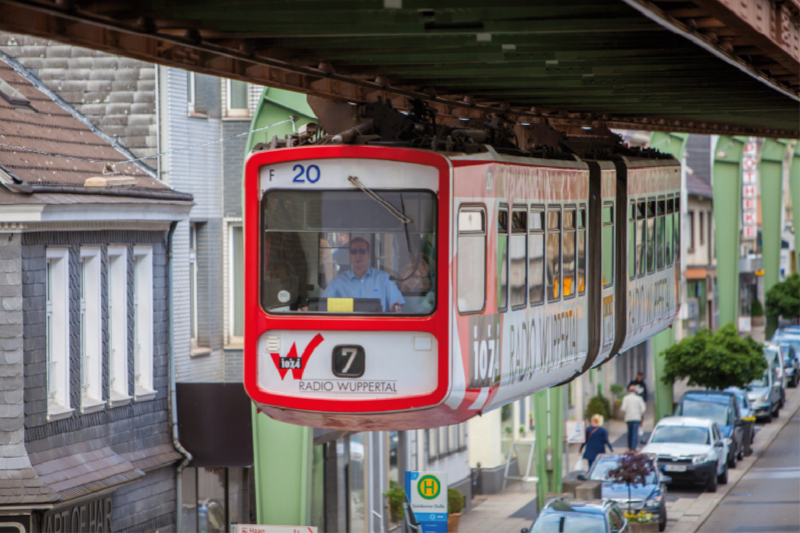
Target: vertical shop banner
<point>749,192</point>
<point>427,495</point>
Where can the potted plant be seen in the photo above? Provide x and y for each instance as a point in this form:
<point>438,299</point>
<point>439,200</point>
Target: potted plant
<point>633,470</point>
<point>396,496</point>
<point>757,313</point>
<point>598,405</point>
<point>455,503</point>
<point>617,390</point>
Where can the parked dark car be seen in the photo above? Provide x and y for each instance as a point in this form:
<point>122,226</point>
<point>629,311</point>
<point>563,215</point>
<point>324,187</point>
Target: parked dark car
<point>723,409</point>
<point>584,516</point>
<point>650,496</point>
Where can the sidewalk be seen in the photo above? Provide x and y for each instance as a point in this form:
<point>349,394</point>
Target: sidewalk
<point>515,508</point>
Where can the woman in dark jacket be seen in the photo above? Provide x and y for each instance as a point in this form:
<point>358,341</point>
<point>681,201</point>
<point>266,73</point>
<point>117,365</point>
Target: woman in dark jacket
<point>596,440</point>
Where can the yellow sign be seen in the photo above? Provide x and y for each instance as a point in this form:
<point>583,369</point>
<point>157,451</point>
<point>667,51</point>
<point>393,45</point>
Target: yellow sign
<point>429,487</point>
<point>340,305</point>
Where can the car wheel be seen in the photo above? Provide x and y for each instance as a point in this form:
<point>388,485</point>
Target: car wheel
<point>662,518</point>
<point>740,455</point>
<point>711,485</point>
<point>722,478</point>
<point>731,461</point>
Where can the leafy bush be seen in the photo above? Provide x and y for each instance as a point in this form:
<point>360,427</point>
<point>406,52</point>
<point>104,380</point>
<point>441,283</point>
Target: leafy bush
<point>756,309</point>
<point>598,405</point>
<point>783,299</point>
<point>715,360</point>
<point>455,501</point>
<point>396,497</point>
<point>617,390</point>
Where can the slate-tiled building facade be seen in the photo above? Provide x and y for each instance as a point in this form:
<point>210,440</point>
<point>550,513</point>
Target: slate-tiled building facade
<point>85,429</point>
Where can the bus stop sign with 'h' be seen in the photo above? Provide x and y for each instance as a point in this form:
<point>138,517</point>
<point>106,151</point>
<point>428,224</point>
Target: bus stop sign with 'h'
<point>427,496</point>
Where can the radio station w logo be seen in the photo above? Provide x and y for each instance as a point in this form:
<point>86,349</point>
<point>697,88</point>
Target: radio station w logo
<point>293,362</point>
<point>429,487</point>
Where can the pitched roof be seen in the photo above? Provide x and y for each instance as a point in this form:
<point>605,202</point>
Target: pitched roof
<point>47,145</point>
<point>696,186</point>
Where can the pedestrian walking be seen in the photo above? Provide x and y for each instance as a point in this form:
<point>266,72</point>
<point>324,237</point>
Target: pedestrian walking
<point>596,440</point>
<point>641,386</point>
<point>634,408</point>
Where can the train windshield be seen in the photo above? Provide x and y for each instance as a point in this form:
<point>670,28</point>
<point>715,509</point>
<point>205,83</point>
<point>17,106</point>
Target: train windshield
<point>349,251</point>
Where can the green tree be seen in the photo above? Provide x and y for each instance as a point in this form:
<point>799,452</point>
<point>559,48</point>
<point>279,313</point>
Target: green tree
<point>715,360</point>
<point>783,299</point>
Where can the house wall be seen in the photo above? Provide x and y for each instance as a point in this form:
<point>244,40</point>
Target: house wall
<point>148,501</point>
<point>699,256</point>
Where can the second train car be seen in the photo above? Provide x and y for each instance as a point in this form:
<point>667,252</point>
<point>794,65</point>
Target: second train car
<point>392,288</point>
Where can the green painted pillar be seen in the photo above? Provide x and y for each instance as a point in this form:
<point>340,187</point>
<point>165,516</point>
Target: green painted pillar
<point>548,406</point>
<point>794,184</point>
<point>282,467</point>
<point>675,145</point>
<point>773,156</point>
<point>727,175</point>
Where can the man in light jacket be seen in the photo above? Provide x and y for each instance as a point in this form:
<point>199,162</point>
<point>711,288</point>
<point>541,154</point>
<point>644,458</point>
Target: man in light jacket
<point>634,407</point>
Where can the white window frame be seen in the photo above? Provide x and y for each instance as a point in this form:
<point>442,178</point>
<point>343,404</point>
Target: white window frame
<point>118,325</point>
<point>191,95</point>
<point>57,333</point>
<point>232,112</point>
<point>143,322</point>
<point>91,331</point>
<point>233,340</point>
<point>193,293</point>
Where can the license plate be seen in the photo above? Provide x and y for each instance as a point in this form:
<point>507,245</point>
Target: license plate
<point>674,468</point>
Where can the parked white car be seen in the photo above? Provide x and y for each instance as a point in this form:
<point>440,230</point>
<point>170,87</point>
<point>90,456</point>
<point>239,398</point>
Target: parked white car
<point>690,450</point>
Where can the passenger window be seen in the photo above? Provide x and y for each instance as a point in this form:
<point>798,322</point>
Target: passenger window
<point>641,237</point>
<point>502,259</point>
<point>608,245</point>
<point>676,228</point>
<point>651,236</point>
<point>582,249</point>
<point>569,253</point>
<point>632,241</point>
<point>471,261</point>
<point>519,256</point>
<point>536,256</point>
<point>553,253</point>
<point>660,245</point>
<point>668,239</point>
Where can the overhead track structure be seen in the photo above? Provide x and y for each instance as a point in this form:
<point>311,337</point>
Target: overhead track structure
<point>729,67</point>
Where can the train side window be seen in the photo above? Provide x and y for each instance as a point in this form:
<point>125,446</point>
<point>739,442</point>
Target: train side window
<point>536,256</point>
<point>582,249</point>
<point>608,245</point>
<point>641,237</point>
<point>651,235</point>
<point>502,258</point>
<point>660,245</point>
<point>471,260</point>
<point>632,240</point>
<point>518,257</point>
<point>553,253</point>
<point>668,239</point>
<point>569,252</point>
<point>676,228</point>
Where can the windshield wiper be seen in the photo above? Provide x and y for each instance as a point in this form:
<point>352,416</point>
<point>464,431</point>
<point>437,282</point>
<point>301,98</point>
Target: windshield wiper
<point>386,205</point>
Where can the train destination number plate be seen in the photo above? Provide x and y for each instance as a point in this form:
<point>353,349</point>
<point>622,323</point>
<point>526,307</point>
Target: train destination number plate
<point>348,361</point>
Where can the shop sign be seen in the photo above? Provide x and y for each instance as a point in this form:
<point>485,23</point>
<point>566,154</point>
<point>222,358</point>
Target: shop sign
<point>15,523</point>
<point>93,516</point>
<point>255,528</point>
<point>749,192</point>
<point>427,495</point>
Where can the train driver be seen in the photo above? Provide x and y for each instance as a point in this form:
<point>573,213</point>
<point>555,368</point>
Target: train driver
<point>363,281</point>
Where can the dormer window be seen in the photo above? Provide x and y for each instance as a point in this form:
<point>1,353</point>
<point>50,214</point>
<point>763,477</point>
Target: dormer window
<point>15,98</point>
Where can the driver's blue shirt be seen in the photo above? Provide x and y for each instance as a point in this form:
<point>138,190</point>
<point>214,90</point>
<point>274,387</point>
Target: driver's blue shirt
<point>374,284</point>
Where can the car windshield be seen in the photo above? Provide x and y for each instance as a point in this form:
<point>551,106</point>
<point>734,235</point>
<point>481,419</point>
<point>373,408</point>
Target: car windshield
<point>681,434</point>
<point>794,342</point>
<point>600,471</point>
<point>763,382</point>
<point>562,522</point>
<point>719,413</point>
<point>741,396</point>
<point>343,251</point>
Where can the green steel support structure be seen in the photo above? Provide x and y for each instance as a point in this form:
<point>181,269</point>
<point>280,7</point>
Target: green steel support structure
<point>727,185</point>
<point>282,452</point>
<point>794,183</point>
<point>675,145</point>
<point>548,412</point>
<point>773,157</point>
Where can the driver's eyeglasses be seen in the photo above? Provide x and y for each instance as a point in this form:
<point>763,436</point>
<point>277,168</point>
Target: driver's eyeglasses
<point>358,251</point>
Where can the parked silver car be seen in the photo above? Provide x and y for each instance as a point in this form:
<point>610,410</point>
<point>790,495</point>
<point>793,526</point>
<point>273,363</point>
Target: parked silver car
<point>766,393</point>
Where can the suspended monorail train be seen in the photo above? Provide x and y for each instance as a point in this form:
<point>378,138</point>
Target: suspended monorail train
<point>393,287</point>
